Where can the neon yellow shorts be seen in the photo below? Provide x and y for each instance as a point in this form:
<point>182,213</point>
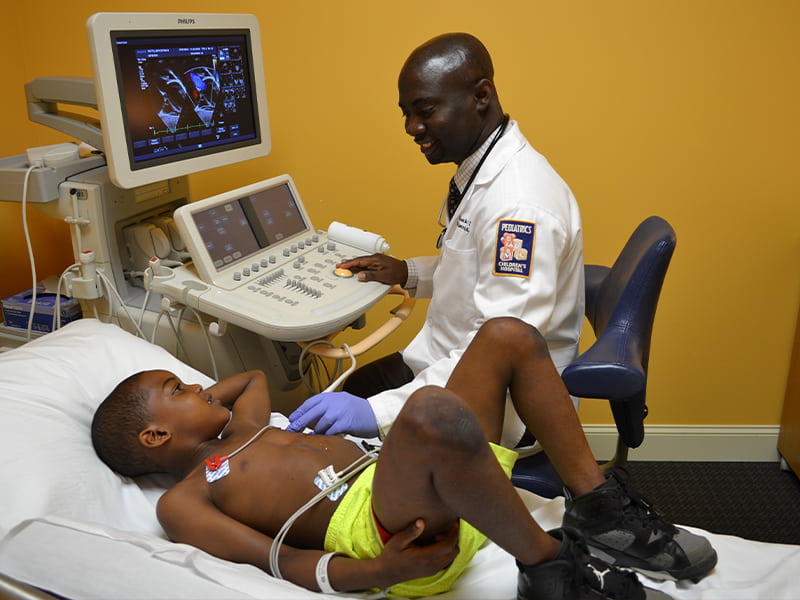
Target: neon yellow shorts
<point>352,531</point>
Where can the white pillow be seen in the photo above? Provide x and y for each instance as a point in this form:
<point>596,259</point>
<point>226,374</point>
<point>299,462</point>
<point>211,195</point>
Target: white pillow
<point>49,390</point>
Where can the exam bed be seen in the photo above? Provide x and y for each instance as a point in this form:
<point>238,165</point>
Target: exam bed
<point>71,527</point>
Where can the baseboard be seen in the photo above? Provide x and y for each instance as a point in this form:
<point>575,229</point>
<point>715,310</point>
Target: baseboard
<point>731,443</point>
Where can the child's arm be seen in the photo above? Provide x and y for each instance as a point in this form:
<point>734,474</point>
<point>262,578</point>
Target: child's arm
<point>192,519</point>
<point>401,560</point>
<point>247,395</point>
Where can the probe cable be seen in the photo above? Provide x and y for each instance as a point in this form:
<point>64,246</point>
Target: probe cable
<point>115,294</point>
<point>207,338</point>
<point>338,365</point>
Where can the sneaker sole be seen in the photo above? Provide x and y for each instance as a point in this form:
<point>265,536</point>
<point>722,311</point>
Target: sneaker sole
<point>693,573</point>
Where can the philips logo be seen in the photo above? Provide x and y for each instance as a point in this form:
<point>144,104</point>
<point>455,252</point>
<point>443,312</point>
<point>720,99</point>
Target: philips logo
<point>185,21</point>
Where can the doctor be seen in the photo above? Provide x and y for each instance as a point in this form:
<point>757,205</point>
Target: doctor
<point>511,242</point>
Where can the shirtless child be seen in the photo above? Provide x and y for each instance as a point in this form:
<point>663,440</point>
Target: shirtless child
<point>414,515</point>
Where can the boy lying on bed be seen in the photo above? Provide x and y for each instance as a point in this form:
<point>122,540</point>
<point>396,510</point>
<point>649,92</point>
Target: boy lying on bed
<point>411,520</point>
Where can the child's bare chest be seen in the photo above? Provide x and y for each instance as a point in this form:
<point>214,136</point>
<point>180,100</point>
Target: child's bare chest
<point>267,481</point>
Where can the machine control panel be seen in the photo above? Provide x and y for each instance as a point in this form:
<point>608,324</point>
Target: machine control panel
<point>257,263</point>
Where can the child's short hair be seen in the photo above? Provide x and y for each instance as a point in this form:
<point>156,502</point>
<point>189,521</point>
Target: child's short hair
<point>116,426</point>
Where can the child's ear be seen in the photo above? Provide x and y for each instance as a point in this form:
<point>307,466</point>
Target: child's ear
<point>153,437</point>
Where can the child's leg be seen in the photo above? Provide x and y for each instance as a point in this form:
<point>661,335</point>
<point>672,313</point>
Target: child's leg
<point>508,354</point>
<point>436,464</point>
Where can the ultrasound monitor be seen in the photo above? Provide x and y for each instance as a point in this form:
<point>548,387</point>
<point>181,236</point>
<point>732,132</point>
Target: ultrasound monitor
<point>177,93</point>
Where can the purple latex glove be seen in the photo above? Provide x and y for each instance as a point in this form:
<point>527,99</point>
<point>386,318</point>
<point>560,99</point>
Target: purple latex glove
<point>335,413</point>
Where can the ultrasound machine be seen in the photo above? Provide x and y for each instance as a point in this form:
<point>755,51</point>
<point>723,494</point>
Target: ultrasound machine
<point>236,281</point>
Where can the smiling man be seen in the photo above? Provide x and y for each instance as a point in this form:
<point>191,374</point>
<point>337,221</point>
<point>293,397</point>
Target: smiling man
<point>511,246</point>
<point>511,242</point>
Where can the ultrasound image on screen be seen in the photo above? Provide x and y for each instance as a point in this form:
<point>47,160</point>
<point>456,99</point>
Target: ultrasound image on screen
<point>185,95</point>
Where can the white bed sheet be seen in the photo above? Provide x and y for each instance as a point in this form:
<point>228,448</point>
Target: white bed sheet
<point>71,526</point>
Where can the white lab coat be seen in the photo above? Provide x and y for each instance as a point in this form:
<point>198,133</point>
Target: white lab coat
<point>517,184</point>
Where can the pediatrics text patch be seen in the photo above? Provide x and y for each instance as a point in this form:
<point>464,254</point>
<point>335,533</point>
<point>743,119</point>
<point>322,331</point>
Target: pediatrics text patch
<point>514,246</point>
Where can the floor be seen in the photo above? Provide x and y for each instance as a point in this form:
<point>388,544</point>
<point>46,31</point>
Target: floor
<point>754,500</point>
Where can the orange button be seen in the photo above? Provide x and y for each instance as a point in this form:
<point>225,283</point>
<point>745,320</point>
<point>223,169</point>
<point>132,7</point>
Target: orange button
<point>343,272</point>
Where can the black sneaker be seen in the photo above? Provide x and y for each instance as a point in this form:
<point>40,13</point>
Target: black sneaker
<point>623,528</point>
<point>575,575</point>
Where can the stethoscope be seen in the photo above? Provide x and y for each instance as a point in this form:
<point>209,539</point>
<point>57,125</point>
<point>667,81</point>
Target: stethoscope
<point>439,220</point>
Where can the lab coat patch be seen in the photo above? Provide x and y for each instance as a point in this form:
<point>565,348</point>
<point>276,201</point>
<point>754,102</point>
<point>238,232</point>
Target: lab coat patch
<point>515,241</point>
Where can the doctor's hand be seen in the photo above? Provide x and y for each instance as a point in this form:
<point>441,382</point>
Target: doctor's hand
<point>333,413</point>
<point>378,267</point>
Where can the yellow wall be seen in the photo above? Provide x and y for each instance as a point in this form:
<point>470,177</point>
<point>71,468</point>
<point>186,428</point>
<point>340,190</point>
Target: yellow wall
<point>685,109</point>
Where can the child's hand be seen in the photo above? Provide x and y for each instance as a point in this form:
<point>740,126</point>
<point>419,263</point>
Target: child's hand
<point>407,560</point>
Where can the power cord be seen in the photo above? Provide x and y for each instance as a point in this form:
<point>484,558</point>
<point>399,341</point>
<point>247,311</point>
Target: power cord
<point>29,246</point>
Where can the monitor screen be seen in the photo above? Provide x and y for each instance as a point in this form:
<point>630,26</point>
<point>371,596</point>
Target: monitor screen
<point>227,234</point>
<point>262,221</point>
<point>234,230</point>
<point>178,94</point>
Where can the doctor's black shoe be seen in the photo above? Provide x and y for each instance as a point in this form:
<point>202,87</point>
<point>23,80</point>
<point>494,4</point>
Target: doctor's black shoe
<point>575,575</point>
<point>623,529</point>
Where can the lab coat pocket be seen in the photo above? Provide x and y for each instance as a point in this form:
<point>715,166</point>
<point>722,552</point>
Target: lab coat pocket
<point>452,311</point>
